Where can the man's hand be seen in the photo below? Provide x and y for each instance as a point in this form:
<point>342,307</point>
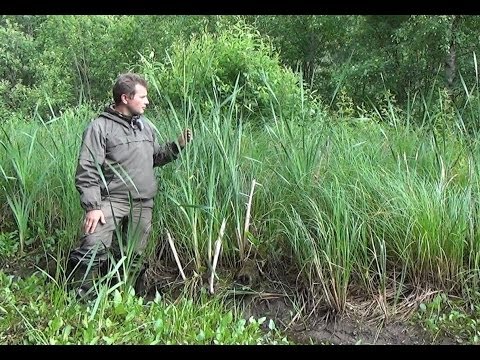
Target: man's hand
<point>91,220</point>
<point>185,138</point>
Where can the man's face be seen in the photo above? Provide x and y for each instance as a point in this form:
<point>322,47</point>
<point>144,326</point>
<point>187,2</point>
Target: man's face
<point>137,104</point>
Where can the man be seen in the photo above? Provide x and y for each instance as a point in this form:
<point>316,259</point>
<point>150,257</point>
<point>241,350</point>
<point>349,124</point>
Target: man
<point>116,179</point>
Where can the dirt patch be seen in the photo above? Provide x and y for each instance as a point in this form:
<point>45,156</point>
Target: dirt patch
<point>323,327</point>
<point>18,268</point>
<point>300,325</point>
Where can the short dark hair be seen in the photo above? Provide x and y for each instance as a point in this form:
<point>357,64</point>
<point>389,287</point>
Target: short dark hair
<point>125,84</point>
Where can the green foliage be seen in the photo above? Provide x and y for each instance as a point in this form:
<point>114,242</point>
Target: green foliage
<point>74,66</point>
<point>35,311</point>
<point>368,55</point>
<point>345,106</point>
<point>59,61</point>
<point>444,316</point>
<point>17,69</point>
<point>314,44</point>
<point>234,58</point>
<point>8,244</point>
<point>52,62</point>
<point>156,34</point>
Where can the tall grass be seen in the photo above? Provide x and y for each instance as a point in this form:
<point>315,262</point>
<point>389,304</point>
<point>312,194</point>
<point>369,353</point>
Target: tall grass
<point>349,207</point>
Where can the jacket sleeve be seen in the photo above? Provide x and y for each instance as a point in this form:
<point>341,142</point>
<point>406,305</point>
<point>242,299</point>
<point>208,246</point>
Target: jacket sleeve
<point>165,153</point>
<point>91,157</point>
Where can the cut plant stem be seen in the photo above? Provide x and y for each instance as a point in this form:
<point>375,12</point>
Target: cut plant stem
<point>247,221</point>
<point>172,245</point>
<point>218,245</point>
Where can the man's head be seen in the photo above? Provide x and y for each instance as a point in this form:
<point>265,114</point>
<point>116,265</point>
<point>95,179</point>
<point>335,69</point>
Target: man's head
<point>130,94</point>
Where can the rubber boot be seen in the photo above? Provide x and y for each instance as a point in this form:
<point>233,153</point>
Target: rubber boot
<point>140,286</point>
<point>82,277</point>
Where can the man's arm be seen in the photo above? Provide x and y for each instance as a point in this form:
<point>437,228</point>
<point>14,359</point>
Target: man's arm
<point>163,154</point>
<point>91,157</point>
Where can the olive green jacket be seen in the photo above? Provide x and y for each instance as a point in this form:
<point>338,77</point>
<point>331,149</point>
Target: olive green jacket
<point>117,158</point>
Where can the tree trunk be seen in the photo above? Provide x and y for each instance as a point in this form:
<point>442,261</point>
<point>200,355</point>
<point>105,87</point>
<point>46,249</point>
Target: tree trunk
<point>310,58</point>
<point>451,60</point>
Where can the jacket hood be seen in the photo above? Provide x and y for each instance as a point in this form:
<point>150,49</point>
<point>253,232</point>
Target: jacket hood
<point>110,113</point>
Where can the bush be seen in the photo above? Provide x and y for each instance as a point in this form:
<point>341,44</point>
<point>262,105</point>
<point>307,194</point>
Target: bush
<point>235,57</point>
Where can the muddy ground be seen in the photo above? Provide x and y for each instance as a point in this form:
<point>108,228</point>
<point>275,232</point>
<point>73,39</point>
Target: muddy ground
<point>347,329</point>
<point>276,297</point>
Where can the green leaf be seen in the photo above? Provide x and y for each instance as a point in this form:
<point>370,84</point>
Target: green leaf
<point>117,298</point>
